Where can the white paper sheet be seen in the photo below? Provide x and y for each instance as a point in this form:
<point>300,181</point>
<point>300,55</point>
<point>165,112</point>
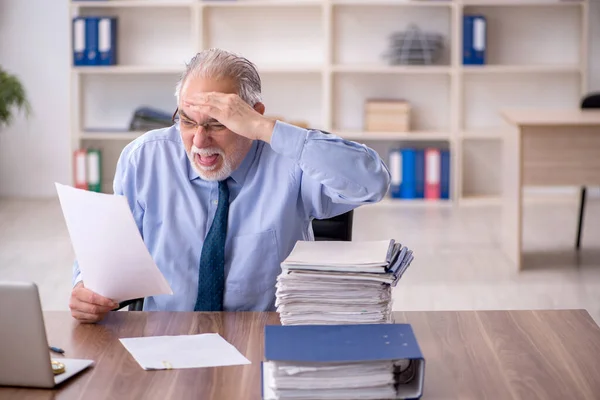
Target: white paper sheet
<point>113,259</point>
<point>183,351</point>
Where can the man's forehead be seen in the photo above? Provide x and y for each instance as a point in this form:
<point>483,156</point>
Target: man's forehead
<point>187,112</point>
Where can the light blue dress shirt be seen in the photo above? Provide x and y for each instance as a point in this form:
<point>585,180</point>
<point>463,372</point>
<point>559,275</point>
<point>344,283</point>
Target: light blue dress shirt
<point>274,194</point>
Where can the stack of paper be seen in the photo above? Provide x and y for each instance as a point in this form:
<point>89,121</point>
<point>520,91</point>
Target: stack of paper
<point>375,361</point>
<point>340,282</point>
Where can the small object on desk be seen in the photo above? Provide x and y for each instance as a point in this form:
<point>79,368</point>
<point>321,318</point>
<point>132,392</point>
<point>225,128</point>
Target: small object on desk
<point>183,351</point>
<point>57,350</point>
<point>58,367</point>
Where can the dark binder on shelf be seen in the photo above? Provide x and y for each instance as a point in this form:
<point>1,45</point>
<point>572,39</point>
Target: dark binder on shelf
<point>79,41</point>
<point>474,39</point>
<point>358,345</point>
<point>445,174</point>
<point>107,41</point>
<point>91,40</point>
<point>408,188</point>
<point>420,174</point>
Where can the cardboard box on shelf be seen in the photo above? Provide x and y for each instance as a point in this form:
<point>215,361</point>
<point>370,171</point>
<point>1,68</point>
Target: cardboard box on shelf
<point>387,115</point>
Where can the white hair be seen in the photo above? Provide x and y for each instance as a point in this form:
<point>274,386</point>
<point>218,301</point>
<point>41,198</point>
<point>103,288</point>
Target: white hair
<point>218,64</point>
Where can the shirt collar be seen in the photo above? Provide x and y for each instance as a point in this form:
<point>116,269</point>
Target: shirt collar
<point>239,175</point>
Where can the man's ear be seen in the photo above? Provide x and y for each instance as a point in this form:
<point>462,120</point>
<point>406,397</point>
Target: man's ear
<point>260,107</point>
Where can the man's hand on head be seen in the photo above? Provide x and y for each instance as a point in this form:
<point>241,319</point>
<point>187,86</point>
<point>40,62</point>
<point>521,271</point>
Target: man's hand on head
<point>233,112</point>
<point>87,306</point>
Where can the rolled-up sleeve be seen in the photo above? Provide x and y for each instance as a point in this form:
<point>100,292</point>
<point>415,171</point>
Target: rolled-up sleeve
<point>337,174</point>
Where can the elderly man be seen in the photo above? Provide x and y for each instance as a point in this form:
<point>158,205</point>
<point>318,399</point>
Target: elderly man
<point>221,197</point>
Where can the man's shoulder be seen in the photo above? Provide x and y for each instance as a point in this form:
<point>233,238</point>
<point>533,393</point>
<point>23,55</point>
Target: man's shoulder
<point>149,143</point>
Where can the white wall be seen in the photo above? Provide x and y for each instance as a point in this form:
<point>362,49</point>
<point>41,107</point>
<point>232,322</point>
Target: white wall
<point>34,44</point>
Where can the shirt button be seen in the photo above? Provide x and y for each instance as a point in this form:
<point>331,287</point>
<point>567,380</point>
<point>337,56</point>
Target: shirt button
<point>215,202</point>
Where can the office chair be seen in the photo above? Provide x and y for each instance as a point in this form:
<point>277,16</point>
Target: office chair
<point>335,228</point>
<point>590,101</point>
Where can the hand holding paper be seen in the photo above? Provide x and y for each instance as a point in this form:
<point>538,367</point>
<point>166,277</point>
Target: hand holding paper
<point>112,256</point>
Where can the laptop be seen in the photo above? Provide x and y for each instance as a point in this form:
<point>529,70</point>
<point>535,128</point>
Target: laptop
<point>24,351</point>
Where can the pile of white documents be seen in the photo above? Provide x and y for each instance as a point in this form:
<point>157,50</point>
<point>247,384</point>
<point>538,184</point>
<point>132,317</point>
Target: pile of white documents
<point>329,282</point>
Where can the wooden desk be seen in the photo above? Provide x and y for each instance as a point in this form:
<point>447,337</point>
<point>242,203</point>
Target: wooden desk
<point>545,148</point>
<point>469,355</point>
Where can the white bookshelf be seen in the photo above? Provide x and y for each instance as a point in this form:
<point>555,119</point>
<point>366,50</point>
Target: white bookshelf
<point>320,60</point>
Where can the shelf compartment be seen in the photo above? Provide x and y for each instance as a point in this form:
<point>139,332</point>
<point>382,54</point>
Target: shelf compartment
<point>292,35</point>
<point>553,35</point>
<point>485,97</point>
<point>109,101</point>
<point>429,97</point>
<point>361,34</point>
<point>150,37</point>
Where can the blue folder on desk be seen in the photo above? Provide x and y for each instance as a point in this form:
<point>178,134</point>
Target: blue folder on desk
<point>336,344</point>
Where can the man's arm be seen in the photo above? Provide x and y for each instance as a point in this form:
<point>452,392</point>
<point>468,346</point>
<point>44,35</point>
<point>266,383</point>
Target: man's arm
<point>337,174</point>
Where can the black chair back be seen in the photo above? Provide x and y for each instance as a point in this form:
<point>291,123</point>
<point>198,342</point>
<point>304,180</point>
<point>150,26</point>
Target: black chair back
<point>336,228</point>
<point>592,100</point>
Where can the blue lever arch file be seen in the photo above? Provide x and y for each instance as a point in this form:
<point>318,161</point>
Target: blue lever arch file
<point>474,39</point>
<point>91,40</point>
<point>107,41</point>
<point>326,345</point>
<point>79,41</point>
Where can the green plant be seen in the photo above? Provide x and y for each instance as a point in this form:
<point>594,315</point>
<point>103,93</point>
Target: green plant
<point>12,98</point>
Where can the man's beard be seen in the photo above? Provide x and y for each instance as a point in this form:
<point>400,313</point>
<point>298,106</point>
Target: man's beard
<point>223,169</point>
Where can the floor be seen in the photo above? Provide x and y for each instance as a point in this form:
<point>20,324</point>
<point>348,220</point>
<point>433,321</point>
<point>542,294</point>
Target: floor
<point>458,259</point>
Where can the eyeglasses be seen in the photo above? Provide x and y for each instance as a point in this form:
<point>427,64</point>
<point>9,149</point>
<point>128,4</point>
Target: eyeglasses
<point>187,125</point>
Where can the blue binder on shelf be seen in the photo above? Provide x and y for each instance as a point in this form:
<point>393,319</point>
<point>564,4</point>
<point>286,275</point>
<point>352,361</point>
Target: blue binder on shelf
<point>107,41</point>
<point>79,38</point>
<point>340,344</point>
<point>420,174</point>
<point>474,39</point>
<point>445,174</point>
<point>91,40</point>
<point>408,188</point>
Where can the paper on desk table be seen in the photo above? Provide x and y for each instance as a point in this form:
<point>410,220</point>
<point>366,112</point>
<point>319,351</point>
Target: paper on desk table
<point>112,257</point>
<point>183,351</point>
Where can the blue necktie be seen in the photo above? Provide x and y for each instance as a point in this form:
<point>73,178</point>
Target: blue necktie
<point>211,282</point>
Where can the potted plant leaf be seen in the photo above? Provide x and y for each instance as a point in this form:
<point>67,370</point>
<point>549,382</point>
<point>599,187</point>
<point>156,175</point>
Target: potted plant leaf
<point>13,98</point>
